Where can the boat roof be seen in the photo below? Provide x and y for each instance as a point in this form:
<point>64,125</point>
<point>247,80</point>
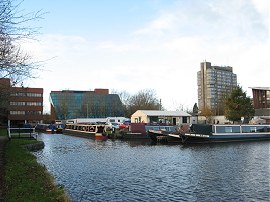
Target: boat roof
<point>164,113</point>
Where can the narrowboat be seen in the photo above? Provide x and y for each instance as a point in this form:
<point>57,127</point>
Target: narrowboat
<point>49,128</point>
<point>97,132</point>
<point>204,133</point>
<point>163,136</point>
<point>167,134</point>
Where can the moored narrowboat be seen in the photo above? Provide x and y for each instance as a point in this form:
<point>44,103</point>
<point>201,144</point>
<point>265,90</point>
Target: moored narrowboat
<point>204,133</point>
<point>86,130</point>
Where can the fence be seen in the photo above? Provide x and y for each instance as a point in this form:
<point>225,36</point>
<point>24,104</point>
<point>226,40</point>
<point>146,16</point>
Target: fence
<point>26,133</point>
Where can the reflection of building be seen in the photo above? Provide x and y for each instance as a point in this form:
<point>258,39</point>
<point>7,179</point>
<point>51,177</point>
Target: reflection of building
<point>261,101</point>
<point>160,117</point>
<point>214,82</point>
<point>69,104</point>
<point>25,105</point>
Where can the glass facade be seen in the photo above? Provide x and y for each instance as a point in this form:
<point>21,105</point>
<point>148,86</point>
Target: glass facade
<point>85,104</point>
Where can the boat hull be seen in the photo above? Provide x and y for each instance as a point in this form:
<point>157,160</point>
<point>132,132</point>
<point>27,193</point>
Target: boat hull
<point>164,136</point>
<point>97,136</point>
<point>134,136</point>
<point>202,138</point>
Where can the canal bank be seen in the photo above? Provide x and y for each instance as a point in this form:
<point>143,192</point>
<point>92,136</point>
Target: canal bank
<point>21,177</point>
<point>3,141</point>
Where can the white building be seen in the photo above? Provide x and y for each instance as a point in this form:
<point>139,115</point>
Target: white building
<point>163,117</point>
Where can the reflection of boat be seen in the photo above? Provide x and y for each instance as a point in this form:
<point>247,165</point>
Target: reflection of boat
<point>201,133</point>
<point>86,130</point>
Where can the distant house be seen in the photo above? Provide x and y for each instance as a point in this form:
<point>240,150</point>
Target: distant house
<point>160,117</point>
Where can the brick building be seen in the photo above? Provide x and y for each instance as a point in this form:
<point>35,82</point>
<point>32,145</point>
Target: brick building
<point>261,102</point>
<point>23,104</point>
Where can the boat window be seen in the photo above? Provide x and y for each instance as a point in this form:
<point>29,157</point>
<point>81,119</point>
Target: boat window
<point>268,129</point>
<point>261,128</point>
<point>245,129</point>
<point>227,129</point>
<point>253,129</point>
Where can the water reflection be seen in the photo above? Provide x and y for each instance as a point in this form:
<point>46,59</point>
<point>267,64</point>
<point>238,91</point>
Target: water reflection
<point>138,171</point>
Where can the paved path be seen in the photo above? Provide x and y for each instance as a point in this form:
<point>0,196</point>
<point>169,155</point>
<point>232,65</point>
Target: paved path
<point>3,141</point>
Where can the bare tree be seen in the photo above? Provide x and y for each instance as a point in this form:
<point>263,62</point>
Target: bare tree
<point>14,62</point>
<point>143,100</point>
<point>124,98</point>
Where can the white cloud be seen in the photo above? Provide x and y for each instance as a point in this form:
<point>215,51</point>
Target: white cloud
<point>159,25</point>
<point>110,45</point>
<point>165,53</point>
<point>262,6</point>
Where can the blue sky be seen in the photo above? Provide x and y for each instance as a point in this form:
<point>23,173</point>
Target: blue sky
<point>131,45</point>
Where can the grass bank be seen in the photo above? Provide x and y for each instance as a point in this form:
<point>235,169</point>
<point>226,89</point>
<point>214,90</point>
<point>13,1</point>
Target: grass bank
<point>25,179</point>
<point>3,132</point>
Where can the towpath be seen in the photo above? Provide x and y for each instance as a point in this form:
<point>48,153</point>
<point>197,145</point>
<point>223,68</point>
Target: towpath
<point>3,141</point>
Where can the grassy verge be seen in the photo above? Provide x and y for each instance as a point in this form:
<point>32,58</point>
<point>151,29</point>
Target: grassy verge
<point>25,179</point>
<point>3,132</point>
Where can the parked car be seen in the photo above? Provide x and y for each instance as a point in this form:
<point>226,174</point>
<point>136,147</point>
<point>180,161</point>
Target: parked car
<point>114,125</point>
<point>124,125</point>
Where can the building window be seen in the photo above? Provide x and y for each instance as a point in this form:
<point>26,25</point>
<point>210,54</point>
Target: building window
<point>18,94</point>
<point>34,95</point>
<point>34,103</point>
<point>21,94</point>
<point>17,103</point>
<point>17,112</point>
<point>33,112</point>
<point>184,118</point>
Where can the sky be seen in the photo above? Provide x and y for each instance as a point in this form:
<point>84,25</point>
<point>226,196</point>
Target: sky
<point>133,45</point>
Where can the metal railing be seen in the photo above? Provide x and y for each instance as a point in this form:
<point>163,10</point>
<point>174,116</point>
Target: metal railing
<point>27,133</point>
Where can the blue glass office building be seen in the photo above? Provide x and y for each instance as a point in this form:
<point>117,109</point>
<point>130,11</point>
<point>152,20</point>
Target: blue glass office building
<point>69,104</point>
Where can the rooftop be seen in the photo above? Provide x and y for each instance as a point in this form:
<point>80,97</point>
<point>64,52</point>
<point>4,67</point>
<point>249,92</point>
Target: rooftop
<point>260,88</point>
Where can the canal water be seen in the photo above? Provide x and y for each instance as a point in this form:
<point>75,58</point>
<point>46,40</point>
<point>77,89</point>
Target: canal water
<point>115,170</point>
